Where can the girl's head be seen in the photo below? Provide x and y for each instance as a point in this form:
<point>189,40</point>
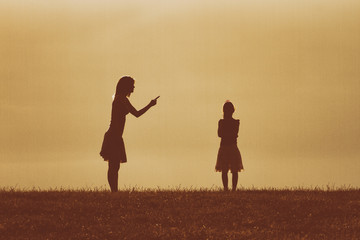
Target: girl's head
<point>228,109</point>
<point>125,86</point>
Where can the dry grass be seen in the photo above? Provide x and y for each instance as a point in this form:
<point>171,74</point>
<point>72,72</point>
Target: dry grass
<point>180,214</point>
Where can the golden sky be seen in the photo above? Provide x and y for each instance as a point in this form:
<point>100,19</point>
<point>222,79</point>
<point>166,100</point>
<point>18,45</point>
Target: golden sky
<point>291,68</point>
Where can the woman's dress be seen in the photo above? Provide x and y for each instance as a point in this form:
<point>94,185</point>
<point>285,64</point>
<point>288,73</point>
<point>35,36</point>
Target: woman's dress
<point>113,147</point>
<point>229,157</point>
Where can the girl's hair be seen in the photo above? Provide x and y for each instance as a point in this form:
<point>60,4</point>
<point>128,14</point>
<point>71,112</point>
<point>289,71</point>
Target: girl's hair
<point>124,85</point>
<point>228,108</point>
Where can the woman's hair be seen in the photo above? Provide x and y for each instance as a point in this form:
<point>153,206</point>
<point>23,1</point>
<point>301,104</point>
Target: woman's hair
<point>124,85</point>
<point>228,108</point>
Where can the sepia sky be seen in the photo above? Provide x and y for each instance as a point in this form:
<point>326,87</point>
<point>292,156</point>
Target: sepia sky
<point>291,68</point>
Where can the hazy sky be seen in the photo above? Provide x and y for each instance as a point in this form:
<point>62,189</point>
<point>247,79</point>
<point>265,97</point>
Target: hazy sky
<point>291,68</point>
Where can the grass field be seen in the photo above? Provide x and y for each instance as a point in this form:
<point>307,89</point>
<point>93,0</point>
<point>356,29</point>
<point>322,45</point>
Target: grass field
<point>180,214</point>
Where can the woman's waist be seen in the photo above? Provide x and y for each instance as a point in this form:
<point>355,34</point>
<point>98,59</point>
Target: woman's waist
<point>115,129</point>
<point>228,141</point>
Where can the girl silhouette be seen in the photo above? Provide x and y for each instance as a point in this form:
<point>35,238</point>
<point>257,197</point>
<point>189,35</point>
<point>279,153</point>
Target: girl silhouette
<point>229,157</point>
<point>113,148</point>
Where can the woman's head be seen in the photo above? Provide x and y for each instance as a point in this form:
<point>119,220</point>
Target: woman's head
<point>125,86</point>
<point>228,108</point>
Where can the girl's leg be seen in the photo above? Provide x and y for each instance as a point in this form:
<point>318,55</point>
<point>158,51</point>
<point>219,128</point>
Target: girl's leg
<point>234,180</point>
<point>224,180</point>
<point>112,175</point>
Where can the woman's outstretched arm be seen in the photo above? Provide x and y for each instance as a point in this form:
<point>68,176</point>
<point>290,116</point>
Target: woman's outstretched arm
<point>138,113</point>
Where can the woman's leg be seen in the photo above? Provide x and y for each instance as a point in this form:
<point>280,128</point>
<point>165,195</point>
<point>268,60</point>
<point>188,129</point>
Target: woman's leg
<point>112,175</point>
<point>235,177</point>
<point>224,180</point>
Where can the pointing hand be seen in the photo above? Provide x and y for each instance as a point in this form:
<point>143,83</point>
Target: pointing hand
<point>154,101</point>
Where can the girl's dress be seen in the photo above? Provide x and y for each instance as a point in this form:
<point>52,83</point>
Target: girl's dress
<point>229,157</point>
<point>113,147</point>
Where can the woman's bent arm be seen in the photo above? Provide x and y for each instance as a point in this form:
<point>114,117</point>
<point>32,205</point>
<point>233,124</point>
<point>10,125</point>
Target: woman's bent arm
<point>220,132</point>
<point>138,113</point>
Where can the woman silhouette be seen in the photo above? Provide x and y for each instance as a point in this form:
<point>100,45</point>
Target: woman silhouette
<point>229,157</point>
<point>113,148</point>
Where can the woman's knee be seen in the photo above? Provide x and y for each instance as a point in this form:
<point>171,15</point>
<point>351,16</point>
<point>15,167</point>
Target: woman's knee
<point>114,166</point>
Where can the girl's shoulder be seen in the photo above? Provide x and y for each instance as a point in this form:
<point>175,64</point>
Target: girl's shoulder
<point>123,100</point>
<point>229,120</point>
